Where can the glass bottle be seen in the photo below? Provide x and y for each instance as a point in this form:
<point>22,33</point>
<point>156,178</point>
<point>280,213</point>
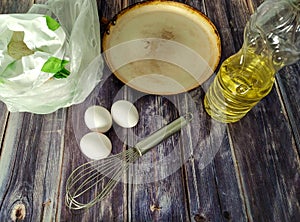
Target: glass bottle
<point>271,41</point>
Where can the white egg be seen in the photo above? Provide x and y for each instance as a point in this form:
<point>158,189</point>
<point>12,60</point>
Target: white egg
<point>95,145</point>
<point>125,114</point>
<point>98,119</point>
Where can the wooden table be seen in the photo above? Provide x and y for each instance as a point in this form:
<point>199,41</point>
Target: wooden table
<point>252,175</point>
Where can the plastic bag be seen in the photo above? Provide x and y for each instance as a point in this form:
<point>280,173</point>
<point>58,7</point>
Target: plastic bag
<point>32,50</point>
<point>80,23</point>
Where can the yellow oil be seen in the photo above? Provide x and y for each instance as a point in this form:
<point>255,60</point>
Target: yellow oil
<point>242,81</point>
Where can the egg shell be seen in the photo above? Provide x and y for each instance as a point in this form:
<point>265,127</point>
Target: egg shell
<point>95,145</point>
<point>98,118</point>
<point>124,113</point>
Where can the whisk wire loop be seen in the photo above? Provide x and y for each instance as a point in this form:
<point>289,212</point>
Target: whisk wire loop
<point>94,174</point>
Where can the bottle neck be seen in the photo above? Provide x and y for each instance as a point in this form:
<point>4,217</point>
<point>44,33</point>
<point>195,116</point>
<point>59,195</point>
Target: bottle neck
<point>273,32</point>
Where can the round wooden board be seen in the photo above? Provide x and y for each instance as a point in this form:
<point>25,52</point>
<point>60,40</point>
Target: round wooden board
<point>162,47</point>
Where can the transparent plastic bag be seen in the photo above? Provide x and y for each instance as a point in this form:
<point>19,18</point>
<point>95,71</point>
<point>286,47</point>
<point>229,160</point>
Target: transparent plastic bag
<point>79,19</point>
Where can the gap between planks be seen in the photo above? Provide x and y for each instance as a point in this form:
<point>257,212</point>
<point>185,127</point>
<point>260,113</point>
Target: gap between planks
<point>240,182</point>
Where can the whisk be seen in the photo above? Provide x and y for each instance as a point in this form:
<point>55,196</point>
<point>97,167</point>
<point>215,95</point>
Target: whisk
<point>107,172</point>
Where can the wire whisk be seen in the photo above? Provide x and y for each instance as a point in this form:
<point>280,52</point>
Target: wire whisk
<point>105,174</point>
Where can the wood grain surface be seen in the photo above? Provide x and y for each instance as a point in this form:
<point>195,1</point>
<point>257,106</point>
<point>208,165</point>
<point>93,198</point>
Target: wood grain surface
<point>246,171</point>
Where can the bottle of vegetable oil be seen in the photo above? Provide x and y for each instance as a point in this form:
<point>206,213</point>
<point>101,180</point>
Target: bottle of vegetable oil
<point>272,40</point>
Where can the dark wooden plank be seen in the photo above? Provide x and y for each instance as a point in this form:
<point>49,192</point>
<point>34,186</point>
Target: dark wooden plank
<point>159,201</point>
<point>230,18</point>
<point>289,82</point>
<point>217,12</point>
<point>268,162</point>
<point>15,6</point>
<point>230,193</point>
<point>213,187</point>
<point>32,155</point>
<point>212,182</point>
<point>3,120</point>
<point>200,144</point>
<point>159,193</point>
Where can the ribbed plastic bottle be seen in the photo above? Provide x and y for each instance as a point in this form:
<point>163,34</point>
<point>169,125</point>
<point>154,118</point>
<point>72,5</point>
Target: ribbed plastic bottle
<point>271,41</point>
